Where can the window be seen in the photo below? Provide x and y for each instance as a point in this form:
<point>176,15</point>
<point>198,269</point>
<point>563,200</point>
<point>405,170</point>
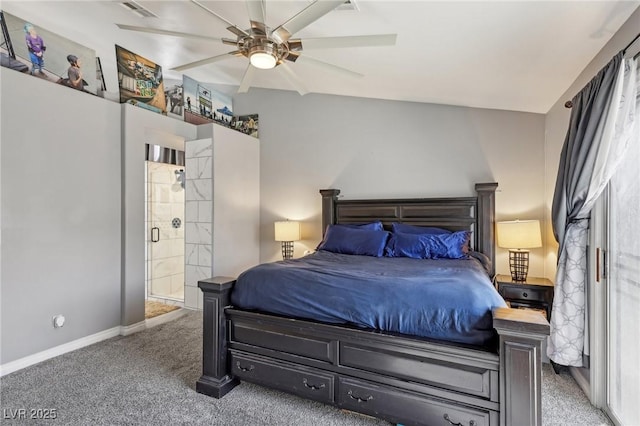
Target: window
<point>623,292</point>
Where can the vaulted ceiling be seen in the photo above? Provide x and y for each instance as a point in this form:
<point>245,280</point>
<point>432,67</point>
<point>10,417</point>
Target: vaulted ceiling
<point>513,55</point>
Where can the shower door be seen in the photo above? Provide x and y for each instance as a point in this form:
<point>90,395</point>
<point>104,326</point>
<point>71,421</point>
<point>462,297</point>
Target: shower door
<point>165,231</point>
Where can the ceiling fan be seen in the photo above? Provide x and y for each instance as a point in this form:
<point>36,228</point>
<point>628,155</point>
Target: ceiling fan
<point>268,48</point>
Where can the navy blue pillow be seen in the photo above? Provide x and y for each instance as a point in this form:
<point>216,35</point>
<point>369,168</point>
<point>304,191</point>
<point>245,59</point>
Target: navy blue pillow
<point>407,245</point>
<point>412,229</point>
<point>429,246</point>
<point>450,246</point>
<point>373,226</point>
<point>346,240</point>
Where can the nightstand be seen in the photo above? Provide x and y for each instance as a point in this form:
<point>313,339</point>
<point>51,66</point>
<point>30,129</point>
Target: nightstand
<point>536,293</point>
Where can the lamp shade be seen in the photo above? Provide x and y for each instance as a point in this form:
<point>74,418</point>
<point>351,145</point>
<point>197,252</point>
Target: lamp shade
<point>519,234</point>
<point>287,230</point>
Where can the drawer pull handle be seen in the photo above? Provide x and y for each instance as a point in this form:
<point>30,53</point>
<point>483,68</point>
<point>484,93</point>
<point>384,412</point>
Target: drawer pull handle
<point>245,369</point>
<point>312,387</point>
<point>525,294</point>
<point>357,398</point>
<point>447,418</point>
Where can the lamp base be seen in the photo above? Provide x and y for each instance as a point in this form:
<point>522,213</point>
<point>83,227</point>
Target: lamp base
<point>287,250</point>
<point>519,264</point>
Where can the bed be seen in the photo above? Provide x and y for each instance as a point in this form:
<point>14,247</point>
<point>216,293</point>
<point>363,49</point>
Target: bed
<point>388,374</point>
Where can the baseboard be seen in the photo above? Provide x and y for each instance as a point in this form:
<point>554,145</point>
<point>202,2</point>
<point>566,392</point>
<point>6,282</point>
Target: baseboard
<point>581,381</point>
<point>30,360</point>
<point>161,319</point>
<point>126,330</point>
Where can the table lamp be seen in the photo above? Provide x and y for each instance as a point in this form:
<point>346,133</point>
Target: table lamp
<point>517,236</point>
<point>287,231</point>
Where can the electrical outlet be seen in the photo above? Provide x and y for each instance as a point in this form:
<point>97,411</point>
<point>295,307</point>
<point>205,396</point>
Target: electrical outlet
<point>58,321</point>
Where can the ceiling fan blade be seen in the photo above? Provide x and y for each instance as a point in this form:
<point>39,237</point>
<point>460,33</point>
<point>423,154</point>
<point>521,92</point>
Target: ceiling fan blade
<point>237,31</point>
<point>246,79</point>
<point>229,42</point>
<point>232,27</point>
<point>306,59</point>
<point>166,32</point>
<point>206,61</point>
<point>349,41</point>
<point>292,56</point>
<point>257,10</point>
<point>310,14</point>
<point>293,79</point>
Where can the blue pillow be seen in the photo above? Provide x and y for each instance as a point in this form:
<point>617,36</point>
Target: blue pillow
<point>346,240</point>
<point>429,246</point>
<point>373,226</point>
<point>412,229</point>
<point>450,246</point>
<point>407,245</point>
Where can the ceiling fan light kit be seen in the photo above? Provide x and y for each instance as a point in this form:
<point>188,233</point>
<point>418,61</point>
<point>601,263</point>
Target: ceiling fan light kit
<point>267,49</point>
<point>262,60</point>
<point>262,52</point>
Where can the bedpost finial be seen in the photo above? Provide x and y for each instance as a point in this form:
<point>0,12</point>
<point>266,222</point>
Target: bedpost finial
<point>487,186</point>
<point>330,193</point>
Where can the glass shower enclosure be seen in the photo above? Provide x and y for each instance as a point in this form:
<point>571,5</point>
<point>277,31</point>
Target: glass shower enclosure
<point>165,177</point>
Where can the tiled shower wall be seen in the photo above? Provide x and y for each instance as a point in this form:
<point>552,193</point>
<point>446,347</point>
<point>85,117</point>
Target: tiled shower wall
<point>165,258</point>
<point>198,218</point>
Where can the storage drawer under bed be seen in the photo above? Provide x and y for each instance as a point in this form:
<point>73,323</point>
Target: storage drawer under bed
<point>404,407</point>
<point>446,372</point>
<point>304,381</point>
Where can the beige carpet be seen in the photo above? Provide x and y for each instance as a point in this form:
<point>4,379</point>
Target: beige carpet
<point>153,309</point>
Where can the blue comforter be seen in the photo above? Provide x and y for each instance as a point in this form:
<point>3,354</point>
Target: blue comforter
<point>442,299</point>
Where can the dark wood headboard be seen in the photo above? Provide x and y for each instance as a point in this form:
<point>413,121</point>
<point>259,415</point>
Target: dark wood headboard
<point>475,214</point>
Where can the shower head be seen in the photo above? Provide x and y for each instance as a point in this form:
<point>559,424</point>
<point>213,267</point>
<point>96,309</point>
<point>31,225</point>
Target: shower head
<point>180,180</point>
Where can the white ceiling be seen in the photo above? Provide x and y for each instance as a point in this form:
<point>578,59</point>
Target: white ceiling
<point>492,54</point>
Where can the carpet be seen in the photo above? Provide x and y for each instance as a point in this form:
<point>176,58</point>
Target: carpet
<point>148,378</point>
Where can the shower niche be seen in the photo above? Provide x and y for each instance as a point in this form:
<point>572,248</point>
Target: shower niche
<point>165,210</point>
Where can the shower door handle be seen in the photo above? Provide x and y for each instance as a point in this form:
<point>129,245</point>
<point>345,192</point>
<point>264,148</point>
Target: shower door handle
<point>155,234</point>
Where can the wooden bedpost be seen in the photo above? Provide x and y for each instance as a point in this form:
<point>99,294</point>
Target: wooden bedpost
<point>521,334</point>
<point>215,380</point>
<point>485,238</point>
<point>329,198</point>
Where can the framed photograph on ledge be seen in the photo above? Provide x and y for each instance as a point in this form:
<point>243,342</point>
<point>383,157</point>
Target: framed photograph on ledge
<point>140,81</point>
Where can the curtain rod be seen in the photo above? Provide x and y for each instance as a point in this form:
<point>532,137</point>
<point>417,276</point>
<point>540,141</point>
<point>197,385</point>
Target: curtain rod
<point>569,104</point>
<point>632,41</point>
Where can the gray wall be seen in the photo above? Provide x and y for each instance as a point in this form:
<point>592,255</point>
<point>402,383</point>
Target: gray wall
<point>557,122</point>
<point>60,249</point>
<point>377,148</point>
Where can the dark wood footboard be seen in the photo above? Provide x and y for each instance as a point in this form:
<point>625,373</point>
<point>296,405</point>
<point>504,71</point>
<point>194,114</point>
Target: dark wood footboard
<point>399,379</point>
<point>216,380</point>
<point>521,334</point>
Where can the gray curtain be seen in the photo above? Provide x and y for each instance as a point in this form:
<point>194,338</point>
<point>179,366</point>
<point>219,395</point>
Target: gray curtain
<point>580,147</point>
<point>599,130</point>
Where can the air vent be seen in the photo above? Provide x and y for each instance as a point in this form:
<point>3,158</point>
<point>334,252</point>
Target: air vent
<point>138,9</point>
<point>348,5</point>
